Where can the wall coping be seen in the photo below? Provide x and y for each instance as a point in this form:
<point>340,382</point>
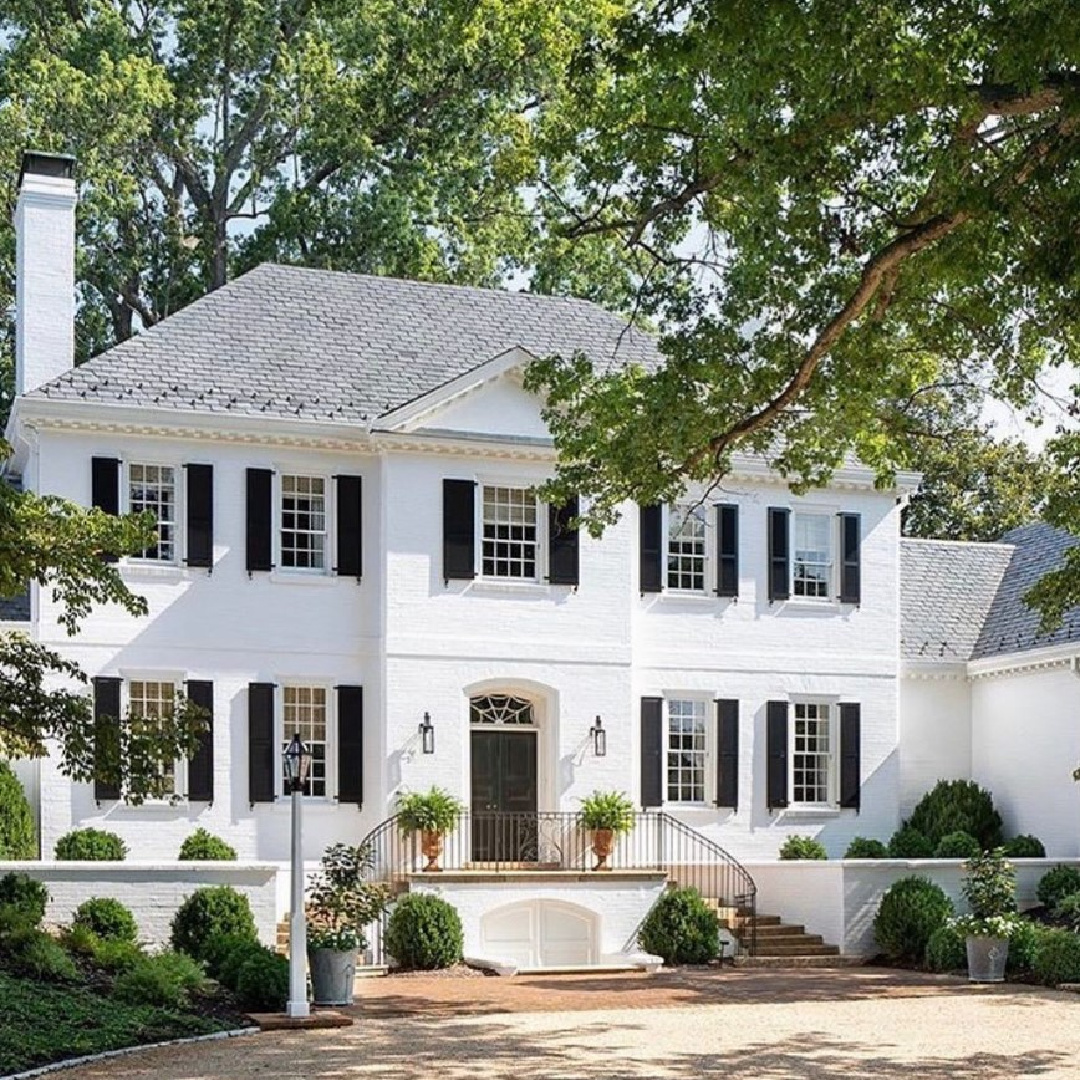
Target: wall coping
<point>133,866</point>
<point>562,877</point>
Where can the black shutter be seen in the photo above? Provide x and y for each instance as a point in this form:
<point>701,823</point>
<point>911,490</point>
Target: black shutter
<point>727,753</point>
<point>563,557</point>
<point>200,515</point>
<point>779,574</point>
<point>727,547</point>
<point>107,734</point>
<point>850,569</point>
<point>651,548</point>
<point>652,751</point>
<point>258,548</point>
<point>200,787</point>
<point>350,734</point>
<point>776,720</point>
<point>459,530</point>
<point>105,492</point>
<point>850,755</point>
<point>349,517</point>
<point>261,756</point>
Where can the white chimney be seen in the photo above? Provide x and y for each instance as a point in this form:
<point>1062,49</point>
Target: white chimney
<point>44,270</point>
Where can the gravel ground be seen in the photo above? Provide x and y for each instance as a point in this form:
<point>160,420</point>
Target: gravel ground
<point>944,1030</point>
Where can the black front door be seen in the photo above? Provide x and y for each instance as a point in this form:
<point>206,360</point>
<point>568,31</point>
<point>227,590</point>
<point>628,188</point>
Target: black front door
<point>504,796</point>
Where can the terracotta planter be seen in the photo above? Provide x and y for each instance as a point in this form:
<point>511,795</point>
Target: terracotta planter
<point>431,847</point>
<point>603,840</point>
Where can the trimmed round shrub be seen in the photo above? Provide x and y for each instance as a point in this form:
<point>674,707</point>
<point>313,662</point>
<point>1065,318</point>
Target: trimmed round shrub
<point>863,848</point>
<point>958,806</point>
<point>946,950</point>
<point>263,982</point>
<point>1023,942</point>
<point>25,894</point>
<point>166,979</point>
<point>210,913</point>
<point>218,949</point>
<point>424,933</point>
<point>795,848</point>
<point>1057,957</point>
<point>1056,884</point>
<point>108,919</point>
<point>203,846</point>
<point>957,845</point>
<point>1067,911</point>
<point>909,843</point>
<point>90,845</point>
<point>229,968</point>
<point>18,839</point>
<point>1025,847</point>
<point>911,910</point>
<point>681,928</point>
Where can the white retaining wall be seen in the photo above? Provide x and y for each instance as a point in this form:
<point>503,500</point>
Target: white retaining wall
<point>839,899</point>
<point>153,891</point>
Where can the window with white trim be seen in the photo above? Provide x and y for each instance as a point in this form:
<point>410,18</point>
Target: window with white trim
<point>152,488</point>
<point>686,750</point>
<point>304,713</point>
<point>303,522</point>
<point>812,546</point>
<point>150,702</point>
<point>686,548</point>
<point>510,542</point>
<point>812,760</point>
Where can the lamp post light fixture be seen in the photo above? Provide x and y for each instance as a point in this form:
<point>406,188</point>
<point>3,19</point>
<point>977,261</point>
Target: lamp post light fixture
<point>427,734</point>
<point>599,738</point>
<point>297,764</point>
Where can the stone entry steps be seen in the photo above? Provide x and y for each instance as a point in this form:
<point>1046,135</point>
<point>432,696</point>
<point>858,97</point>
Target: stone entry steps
<point>777,943</point>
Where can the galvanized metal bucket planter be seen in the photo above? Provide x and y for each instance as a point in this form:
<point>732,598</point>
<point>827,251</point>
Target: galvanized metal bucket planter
<point>986,958</point>
<point>332,975</point>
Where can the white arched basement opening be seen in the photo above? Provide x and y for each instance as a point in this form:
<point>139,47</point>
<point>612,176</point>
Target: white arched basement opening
<point>541,934</point>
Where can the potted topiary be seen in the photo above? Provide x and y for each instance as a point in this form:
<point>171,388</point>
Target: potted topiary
<point>340,906</point>
<point>990,891</point>
<point>606,814</point>
<point>431,814</point>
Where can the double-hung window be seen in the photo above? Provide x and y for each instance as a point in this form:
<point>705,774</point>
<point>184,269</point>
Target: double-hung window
<point>305,713</point>
<point>152,488</point>
<point>813,542</point>
<point>686,750</point>
<point>812,754</point>
<point>150,703</point>
<point>686,549</point>
<point>303,522</point>
<point>509,534</point>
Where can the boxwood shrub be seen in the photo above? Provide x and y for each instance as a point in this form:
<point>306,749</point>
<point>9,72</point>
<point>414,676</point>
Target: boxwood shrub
<point>424,933</point>
<point>863,848</point>
<point>1056,884</point>
<point>107,918</point>
<point>911,910</point>
<point>796,848</point>
<point>909,843</point>
<point>262,984</point>
<point>946,950</point>
<point>1025,847</point>
<point>958,806</point>
<point>1057,957</point>
<point>228,970</point>
<point>203,846</point>
<point>25,894</point>
<point>957,845</point>
<point>210,913</point>
<point>681,928</point>
<point>90,845</point>
<point>18,840</point>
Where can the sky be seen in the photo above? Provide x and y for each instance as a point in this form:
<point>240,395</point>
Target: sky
<point>1058,391</point>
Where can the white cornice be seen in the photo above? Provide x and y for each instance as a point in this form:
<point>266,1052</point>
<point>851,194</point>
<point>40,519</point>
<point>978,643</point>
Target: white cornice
<point>1054,656</point>
<point>931,671</point>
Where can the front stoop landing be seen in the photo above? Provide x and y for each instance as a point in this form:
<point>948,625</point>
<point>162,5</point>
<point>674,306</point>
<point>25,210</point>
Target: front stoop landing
<point>319,1020</point>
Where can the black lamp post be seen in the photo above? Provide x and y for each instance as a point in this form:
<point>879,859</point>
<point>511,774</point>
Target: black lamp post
<point>599,738</point>
<point>427,734</point>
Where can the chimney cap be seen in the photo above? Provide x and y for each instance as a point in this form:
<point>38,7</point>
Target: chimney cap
<point>39,163</point>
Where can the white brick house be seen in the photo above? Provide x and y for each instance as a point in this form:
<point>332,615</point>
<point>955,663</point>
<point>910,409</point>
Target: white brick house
<point>341,467</point>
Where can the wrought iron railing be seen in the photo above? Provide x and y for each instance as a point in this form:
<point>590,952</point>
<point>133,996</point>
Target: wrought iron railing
<point>498,842</point>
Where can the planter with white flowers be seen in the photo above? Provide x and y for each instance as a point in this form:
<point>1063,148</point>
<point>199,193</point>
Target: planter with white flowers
<point>990,891</point>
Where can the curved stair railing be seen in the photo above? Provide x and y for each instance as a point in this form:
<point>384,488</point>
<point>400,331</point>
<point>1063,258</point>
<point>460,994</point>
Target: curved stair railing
<point>495,842</point>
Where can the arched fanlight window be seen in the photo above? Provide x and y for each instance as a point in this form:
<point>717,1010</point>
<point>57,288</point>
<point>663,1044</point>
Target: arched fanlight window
<point>501,709</point>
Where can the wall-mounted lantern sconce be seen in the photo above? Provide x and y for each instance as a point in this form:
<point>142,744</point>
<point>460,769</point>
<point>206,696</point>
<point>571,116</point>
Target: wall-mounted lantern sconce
<point>599,738</point>
<point>427,734</point>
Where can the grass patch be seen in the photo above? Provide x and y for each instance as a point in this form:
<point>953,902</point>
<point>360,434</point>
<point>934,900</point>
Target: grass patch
<point>43,1023</point>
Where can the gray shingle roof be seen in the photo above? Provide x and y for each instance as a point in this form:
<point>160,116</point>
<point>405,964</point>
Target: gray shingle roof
<point>1011,626</point>
<point>320,345</point>
<point>946,590</point>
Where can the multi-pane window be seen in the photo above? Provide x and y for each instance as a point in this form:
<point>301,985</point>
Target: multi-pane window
<point>150,703</point>
<point>303,522</point>
<point>813,556</point>
<point>811,756</point>
<point>509,533</point>
<point>686,748</point>
<point>153,488</point>
<point>686,549</point>
<point>305,715</point>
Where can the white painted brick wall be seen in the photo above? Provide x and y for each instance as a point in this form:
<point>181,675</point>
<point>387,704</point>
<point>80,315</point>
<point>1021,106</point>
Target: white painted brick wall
<point>935,734</point>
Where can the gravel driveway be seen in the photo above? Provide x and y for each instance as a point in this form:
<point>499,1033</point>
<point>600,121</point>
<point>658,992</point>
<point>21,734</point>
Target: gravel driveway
<point>849,1024</point>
